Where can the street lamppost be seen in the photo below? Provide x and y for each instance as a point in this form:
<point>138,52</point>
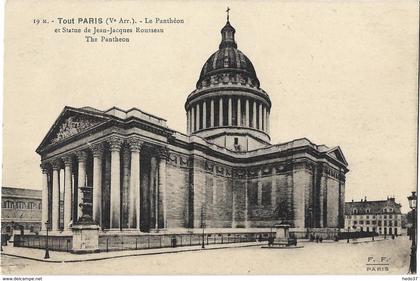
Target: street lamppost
<point>348,234</point>
<point>354,233</point>
<point>47,251</point>
<point>412,200</point>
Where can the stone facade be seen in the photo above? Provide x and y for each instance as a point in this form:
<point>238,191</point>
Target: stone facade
<point>223,173</point>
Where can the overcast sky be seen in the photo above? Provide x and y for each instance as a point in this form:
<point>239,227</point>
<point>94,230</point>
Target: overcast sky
<point>338,74</point>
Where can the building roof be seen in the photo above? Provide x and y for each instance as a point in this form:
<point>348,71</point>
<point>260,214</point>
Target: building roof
<point>228,60</point>
<point>374,207</point>
<point>20,192</point>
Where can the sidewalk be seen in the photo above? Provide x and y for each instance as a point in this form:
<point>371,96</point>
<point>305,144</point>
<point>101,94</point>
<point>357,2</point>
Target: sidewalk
<point>64,257</point>
<point>351,241</point>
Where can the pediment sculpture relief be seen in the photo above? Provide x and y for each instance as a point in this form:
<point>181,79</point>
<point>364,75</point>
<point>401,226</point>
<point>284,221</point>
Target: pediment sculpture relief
<point>73,125</point>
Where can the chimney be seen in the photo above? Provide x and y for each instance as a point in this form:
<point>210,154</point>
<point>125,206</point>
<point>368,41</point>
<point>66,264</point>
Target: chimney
<point>365,198</point>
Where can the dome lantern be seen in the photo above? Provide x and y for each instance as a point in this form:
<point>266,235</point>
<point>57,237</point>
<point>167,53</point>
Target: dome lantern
<point>228,36</point>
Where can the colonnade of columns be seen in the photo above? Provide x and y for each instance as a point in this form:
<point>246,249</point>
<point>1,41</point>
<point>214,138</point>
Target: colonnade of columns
<point>101,166</point>
<point>228,111</point>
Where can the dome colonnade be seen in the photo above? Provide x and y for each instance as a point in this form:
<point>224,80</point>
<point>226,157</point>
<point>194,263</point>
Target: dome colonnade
<point>228,98</point>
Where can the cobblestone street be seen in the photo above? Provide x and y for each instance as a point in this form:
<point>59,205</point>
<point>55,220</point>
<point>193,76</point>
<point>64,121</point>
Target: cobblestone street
<point>325,258</point>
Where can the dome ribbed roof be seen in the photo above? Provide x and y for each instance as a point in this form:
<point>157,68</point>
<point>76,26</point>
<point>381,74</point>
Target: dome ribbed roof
<point>228,60</point>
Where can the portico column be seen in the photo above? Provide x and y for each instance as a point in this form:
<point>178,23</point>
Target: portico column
<point>192,119</point>
<point>230,111</point>
<point>134,197</point>
<point>247,113</point>
<point>204,114</point>
<point>115,143</point>
<point>238,113</point>
<point>97,151</point>
<point>125,186</point>
<point>220,112</point>
<point>154,197</point>
<point>44,195</point>
<point>260,117</point>
<point>163,155</point>
<point>197,115</point>
<point>55,196</point>
<point>81,181</point>
<point>67,190</point>
<point>212,113</point>
<point>254,115</point>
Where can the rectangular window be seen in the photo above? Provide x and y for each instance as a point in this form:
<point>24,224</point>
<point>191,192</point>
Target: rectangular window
<point>367,222</point>
<point>360,222</point>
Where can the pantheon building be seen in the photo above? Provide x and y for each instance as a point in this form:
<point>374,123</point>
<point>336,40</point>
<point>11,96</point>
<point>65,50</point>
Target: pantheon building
<point>222,173</point>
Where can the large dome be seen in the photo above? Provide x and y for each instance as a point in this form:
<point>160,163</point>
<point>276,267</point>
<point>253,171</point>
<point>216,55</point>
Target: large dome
<point>228,60</point>
<point>228,107</point>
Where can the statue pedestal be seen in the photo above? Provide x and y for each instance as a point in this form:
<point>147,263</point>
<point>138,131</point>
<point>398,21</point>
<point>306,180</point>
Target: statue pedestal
<point>85,238</point>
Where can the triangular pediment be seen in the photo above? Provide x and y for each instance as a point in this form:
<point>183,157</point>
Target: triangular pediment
<point>70,123</point>
<point>337,154</point>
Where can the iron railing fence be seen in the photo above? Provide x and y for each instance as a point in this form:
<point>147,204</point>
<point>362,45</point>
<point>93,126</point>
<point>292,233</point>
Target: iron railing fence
<point>122,242</point>
<point>118,242</point>
<point>55,243</point>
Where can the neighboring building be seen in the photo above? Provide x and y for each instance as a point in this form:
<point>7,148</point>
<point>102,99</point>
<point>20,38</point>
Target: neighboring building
<point>223,172</point>
<point>21,206</point>
<point>383,216</point>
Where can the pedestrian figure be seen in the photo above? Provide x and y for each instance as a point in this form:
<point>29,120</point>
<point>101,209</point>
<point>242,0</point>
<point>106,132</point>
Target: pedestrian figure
<point>312,237</point>
<point>270,241</point>
<point>320,239</point>
<point>173,241</point>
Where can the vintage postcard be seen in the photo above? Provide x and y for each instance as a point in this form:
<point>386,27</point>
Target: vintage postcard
<point>235,137</point>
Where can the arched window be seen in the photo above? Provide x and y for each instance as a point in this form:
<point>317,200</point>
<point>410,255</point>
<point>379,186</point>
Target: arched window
<point>354,211</point>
